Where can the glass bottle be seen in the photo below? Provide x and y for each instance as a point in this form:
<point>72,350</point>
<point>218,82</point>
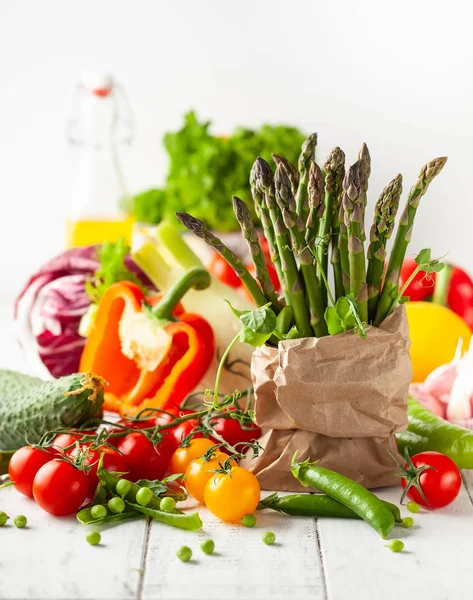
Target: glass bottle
<point>99,129</point>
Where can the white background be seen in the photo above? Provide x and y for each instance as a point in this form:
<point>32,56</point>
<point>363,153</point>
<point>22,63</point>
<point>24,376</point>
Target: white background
<point>397,75</point>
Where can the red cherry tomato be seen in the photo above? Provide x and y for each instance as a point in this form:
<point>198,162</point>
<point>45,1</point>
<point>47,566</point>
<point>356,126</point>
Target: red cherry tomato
<point>112,461</point>
<point>460,295</point>
<point>144,461</point>
<point>184,429</point>
<point>59,488</point>
<point>233,432</point>
<point>67,440</point>
<point>222,271</point>
<point>440,485</point>
<point>421,287</point>
<point>131,424</point>
<point>24,465</point>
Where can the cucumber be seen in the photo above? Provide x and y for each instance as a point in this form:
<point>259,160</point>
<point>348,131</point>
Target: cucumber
<point>29,407</point>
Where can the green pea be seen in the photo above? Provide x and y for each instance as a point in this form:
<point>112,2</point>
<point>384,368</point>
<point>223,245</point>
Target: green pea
<point>248,520</point>
<point>395,546</point>
<point>208,546</point>
<point>123,487</point>
<point>116,505</point>
<point>20,521</point>
<point>413,507</point>
<point>269,538</point>
<point>93,537</point>
<point>167,504</point>
<point>3,518</point>
<point>143,496</point>
<point>184,553</point>
<point>98,511</point>
<point>407,522</point>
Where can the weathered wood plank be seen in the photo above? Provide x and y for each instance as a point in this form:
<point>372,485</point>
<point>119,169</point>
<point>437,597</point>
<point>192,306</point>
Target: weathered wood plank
<point>435,564</point>
<point>50,558</point>
<point>242,566</point>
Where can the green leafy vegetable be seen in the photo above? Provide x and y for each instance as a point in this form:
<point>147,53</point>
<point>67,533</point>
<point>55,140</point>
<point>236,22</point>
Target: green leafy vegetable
<point>112,269</point>
<point>344,317</point>
<point>206,170</point>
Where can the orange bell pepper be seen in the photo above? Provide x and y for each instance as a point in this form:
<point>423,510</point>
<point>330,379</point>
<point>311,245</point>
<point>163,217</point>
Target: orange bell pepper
<point>151,352</point>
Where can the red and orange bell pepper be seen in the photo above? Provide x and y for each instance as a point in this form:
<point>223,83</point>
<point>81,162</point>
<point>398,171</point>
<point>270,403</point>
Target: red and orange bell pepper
<point>151,352</point>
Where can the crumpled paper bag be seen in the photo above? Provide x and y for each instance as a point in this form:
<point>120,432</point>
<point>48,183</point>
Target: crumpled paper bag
<point>338,399</point>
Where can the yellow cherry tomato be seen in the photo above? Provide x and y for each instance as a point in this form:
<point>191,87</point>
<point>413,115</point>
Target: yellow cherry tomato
<point>183,456</point>
<point>198,472</point>
<point>230,496</point>
<point>435,331</point>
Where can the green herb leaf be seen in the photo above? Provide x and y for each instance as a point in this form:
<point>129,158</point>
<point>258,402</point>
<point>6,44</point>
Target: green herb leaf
<point>261,320</point>
<point>424,256</point>
<point>254,339</point>
<point>344,317</point>
<point>111,270</point>
<point>156,486</point>
<point>335,323</point>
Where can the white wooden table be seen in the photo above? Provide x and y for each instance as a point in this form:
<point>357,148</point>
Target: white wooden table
<point>313,558</point>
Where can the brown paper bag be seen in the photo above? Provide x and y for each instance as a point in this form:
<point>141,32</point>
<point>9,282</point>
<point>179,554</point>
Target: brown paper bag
<point>338,399</point>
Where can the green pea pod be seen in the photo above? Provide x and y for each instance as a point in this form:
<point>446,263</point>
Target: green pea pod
<point>85,517</point>
<point>353,495</point>
<point>317,505</point>
<point>191,522</point>
<point>426,431</point>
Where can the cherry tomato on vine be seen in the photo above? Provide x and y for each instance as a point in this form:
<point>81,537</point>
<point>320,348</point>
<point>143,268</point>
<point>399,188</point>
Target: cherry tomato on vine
<point>232,431</point>
<point>145,460</point>
<point>131,424</point>
<point>198,472</point>
<point>67,440</point>
<point>112,461</point>
<point>24,464</point>
<point>440,485</point>
<point>222,271</point>
<point>59,488</point>
<point>230,496</point>
<point>183,456</point>
<point>184,429</point>
<point>421,287</point>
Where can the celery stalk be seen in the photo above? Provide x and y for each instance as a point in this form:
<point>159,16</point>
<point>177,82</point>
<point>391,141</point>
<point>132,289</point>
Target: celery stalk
<point>170,239</point>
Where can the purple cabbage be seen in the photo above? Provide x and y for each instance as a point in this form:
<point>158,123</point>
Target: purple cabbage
<point>50,307</point>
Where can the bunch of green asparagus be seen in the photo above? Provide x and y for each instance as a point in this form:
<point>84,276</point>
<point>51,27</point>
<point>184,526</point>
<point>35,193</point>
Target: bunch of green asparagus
<point>310,215</point>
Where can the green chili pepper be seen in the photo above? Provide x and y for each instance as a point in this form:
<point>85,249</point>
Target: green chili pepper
<point>190,521</point>
<point>317,505</point>
<point>426,431</point>
<point>353,495</point>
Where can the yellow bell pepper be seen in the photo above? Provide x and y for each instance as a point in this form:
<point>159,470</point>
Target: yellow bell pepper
<point>435,331</point>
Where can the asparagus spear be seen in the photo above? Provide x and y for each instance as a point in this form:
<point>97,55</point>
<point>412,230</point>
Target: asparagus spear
<point>263,214</point>
<point>306,156</point>
<point>287,205</point>
<point>291,171</point>
<point>315,196</point>
<point>403,237</point>
<point>247,226</point>
<point>364,156</point>
<point>381,231</point>
<point>343,248</point>
<point>232,259</point>
<point>334,172</point>
<point>354,216</point>
<point>291,281</point>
